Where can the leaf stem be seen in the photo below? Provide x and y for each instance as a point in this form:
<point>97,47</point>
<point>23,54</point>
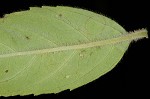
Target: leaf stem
<point>128,37</point>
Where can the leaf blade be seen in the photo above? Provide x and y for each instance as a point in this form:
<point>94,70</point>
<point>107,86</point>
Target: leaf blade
<point>58,48</point>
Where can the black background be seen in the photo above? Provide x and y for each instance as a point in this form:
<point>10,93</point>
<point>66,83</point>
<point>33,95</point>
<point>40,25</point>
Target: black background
<point>131,76</point>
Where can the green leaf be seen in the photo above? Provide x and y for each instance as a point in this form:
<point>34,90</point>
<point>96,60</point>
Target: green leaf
<point>51,49</point>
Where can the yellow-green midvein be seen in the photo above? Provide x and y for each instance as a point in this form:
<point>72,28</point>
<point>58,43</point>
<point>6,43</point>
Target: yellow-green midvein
<point>128,37</point>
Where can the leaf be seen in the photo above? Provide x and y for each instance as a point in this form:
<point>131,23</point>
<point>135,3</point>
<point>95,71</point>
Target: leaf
<point>51,49</point>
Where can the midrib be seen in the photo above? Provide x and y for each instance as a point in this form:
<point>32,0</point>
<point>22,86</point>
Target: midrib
<point>128,37</point>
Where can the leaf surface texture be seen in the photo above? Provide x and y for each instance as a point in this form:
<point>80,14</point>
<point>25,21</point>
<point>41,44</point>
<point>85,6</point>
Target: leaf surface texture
<point>37,52</point>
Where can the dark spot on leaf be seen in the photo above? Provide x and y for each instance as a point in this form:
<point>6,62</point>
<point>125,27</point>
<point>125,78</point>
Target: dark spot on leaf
<point>6,71</point>
<point>12,38</point>
<point>53,53</point>
<point>82,51</point>
<point>98,47</point>
<point>91,53</point>
<point>60,15</point>
<point>27,37</point>
<point>79,41</point>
